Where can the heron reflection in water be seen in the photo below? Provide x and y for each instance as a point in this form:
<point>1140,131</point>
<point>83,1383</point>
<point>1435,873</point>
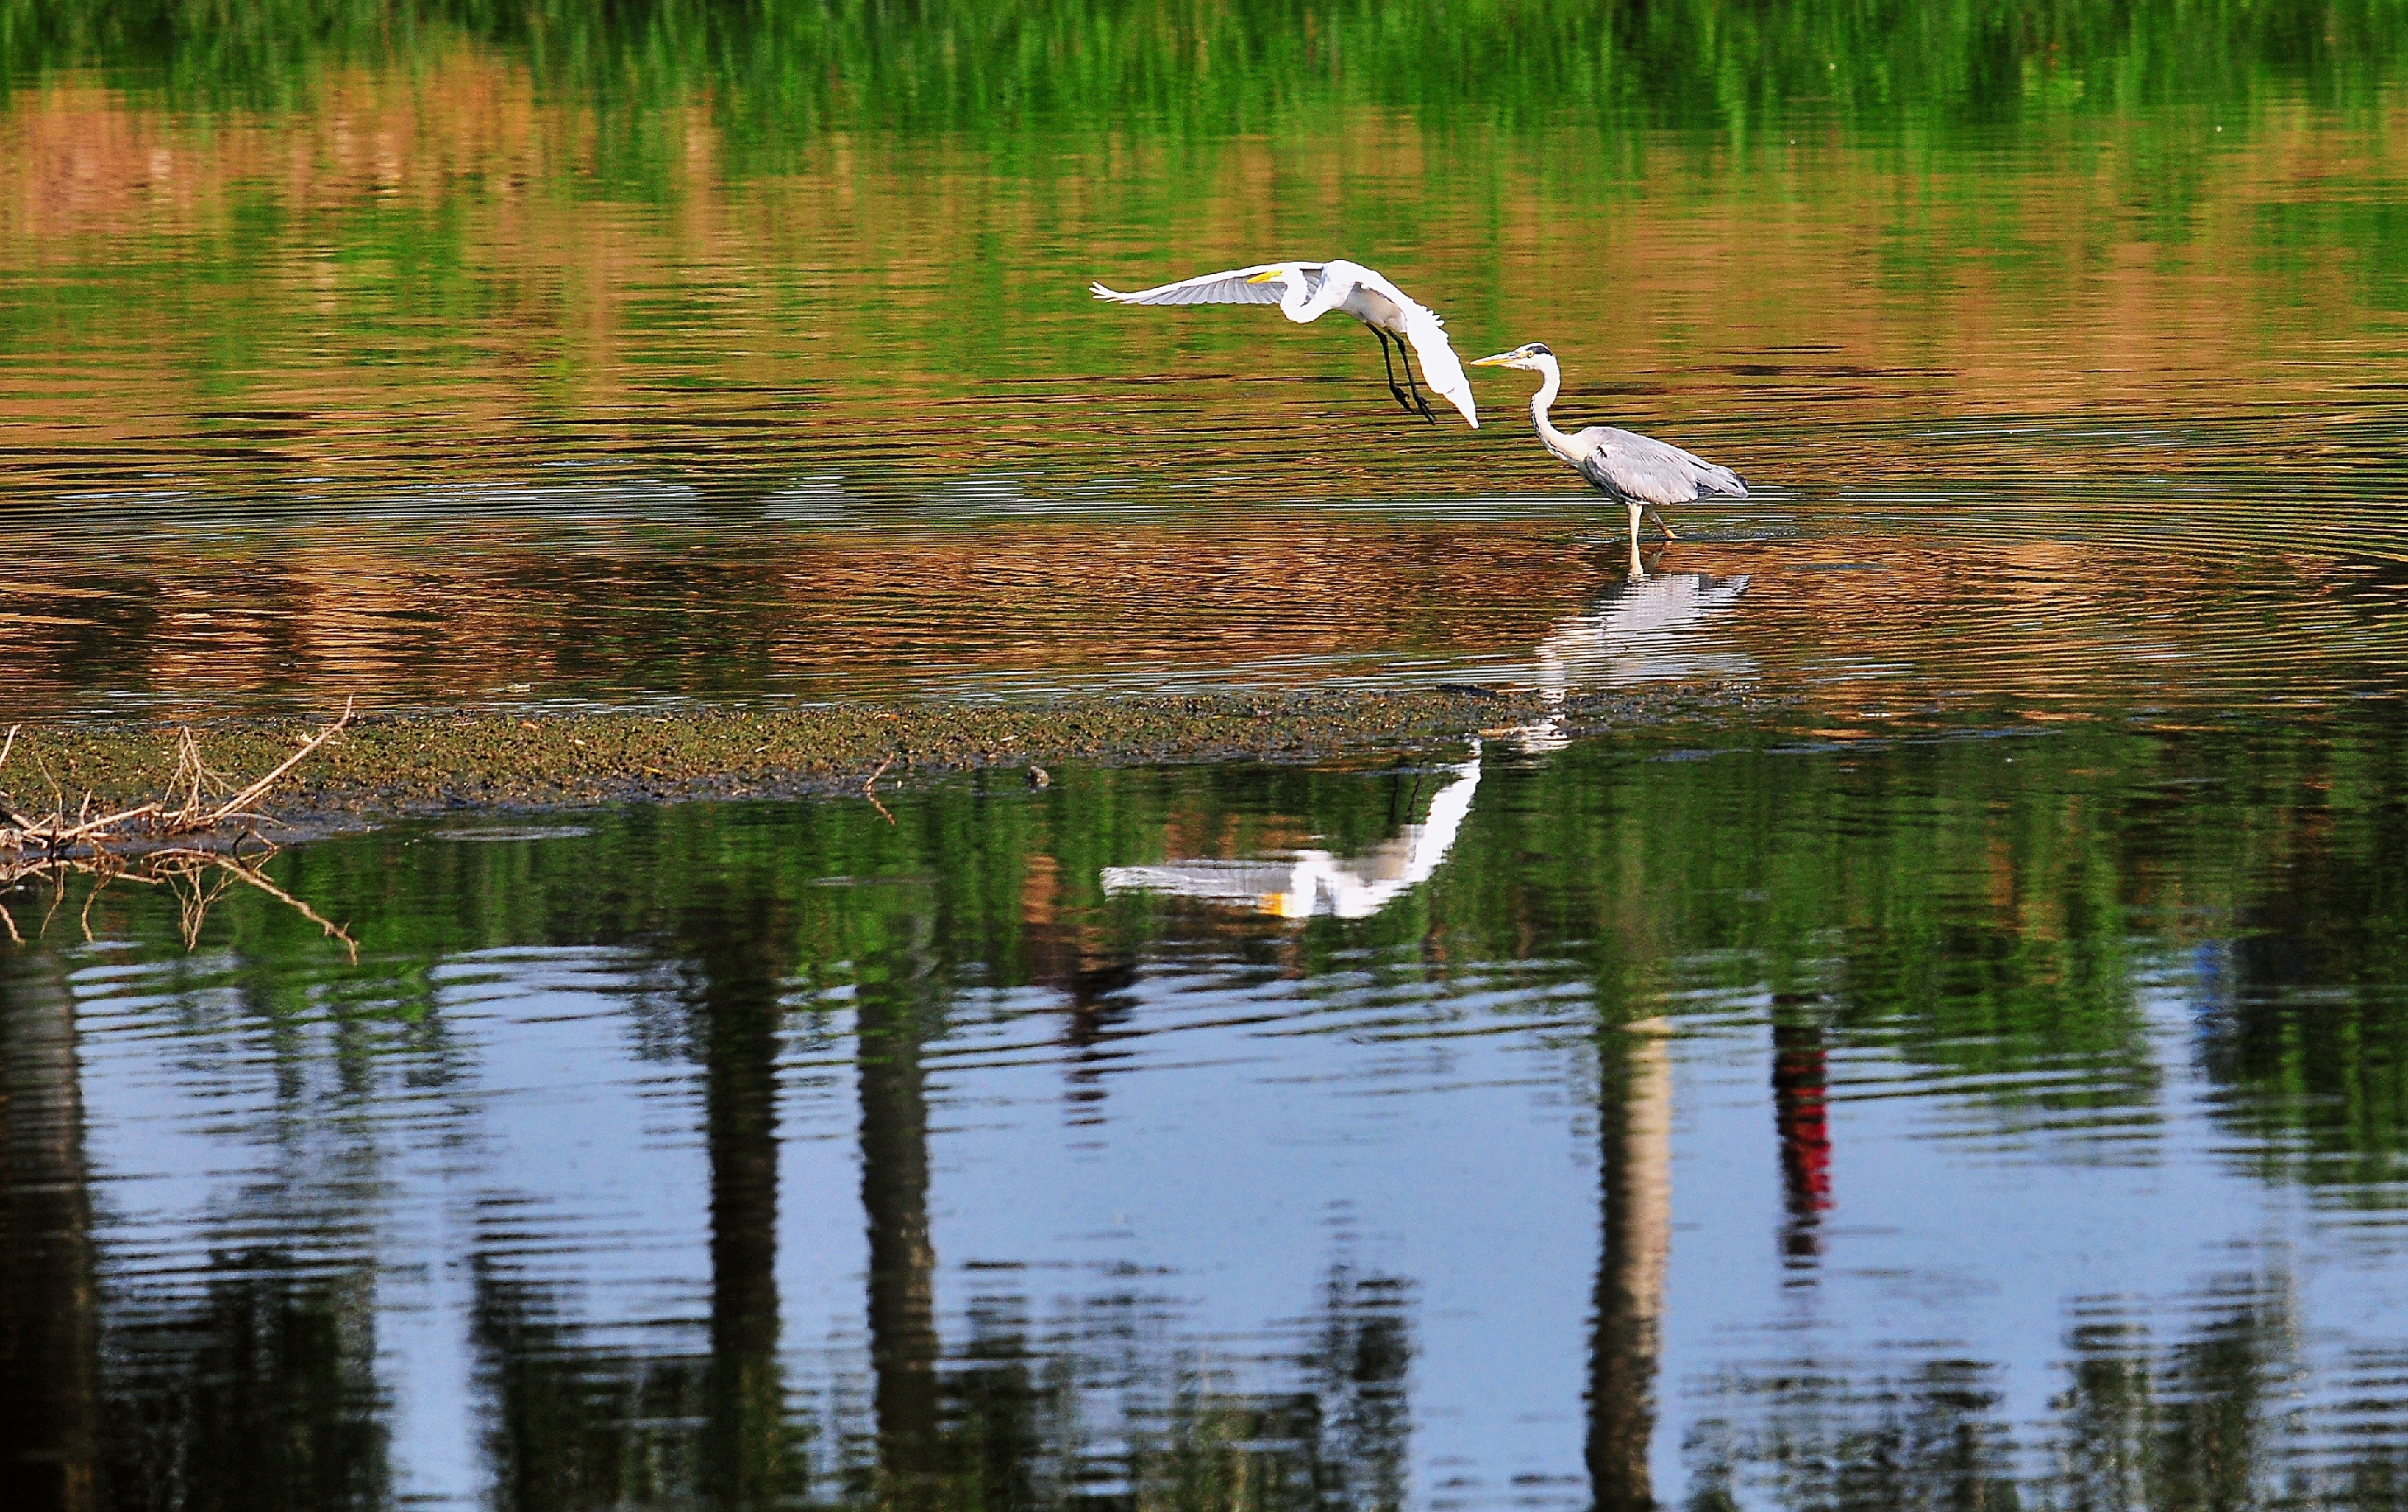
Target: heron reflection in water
<point>1632,633</point>
<point>1315,882</point>
<point>1305,292</point>
<point>1636,471</point>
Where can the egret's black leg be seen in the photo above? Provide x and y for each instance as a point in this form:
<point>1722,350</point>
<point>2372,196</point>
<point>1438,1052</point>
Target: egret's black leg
<point>1403,403</point>
<point>1420,402</point>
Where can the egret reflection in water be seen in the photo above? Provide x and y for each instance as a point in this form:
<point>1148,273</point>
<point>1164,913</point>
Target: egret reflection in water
<point>1315,882</point>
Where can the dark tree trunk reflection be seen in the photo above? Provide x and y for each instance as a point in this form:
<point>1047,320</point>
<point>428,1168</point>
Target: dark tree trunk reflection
<point>49,1410</point>
<point>742,949</point>
<point>570,1425</point>
<point>1635,1129</point>
<point>902,1259</point>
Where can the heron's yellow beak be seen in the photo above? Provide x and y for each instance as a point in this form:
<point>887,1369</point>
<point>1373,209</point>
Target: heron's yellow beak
<point>1273,276</point>
<point>1498,361</point>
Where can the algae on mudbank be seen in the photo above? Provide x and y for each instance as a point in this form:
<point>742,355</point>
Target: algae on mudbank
<point>400,763</point>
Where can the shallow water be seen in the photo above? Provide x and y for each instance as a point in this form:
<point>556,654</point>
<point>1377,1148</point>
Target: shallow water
<point>443,366</point>
<point>1983,1087</point>
<point>1917,1120</point>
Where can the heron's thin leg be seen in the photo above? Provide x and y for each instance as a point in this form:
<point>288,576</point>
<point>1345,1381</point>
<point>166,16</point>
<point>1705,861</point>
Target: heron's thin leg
<point>1636,511</point>
<point>1669,534</point>
<point>1395,390</point>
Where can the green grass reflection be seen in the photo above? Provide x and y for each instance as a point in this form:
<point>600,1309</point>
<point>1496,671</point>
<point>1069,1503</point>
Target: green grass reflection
<point>1990,911</point>
<point>1986,916</point>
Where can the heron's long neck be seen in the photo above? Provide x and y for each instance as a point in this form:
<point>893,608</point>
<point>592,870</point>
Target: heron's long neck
<point>1556,440</point>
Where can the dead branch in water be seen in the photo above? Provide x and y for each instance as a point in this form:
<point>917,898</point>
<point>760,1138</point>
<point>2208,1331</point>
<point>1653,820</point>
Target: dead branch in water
<point>189,841</point>
<point>869,788</point>
<point>238,806</point>
<point>196,879</point>
<point>185,813</point>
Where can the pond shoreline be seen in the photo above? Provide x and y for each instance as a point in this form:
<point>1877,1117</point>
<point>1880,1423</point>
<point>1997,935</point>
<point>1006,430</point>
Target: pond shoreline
<point>397,765</point>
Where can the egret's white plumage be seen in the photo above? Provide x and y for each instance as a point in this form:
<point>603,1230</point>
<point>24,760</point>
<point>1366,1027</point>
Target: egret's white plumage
<point>1310,882</point>
<point>1638,470</point>
<point>1305,292</point>
<point>1235,287</point>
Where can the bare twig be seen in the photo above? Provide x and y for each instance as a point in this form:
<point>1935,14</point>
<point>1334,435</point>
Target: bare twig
<point>58,799</point>
<point>177,841</point>
<point>334,932</point>
<point>85,827</point>
<point>190,787</point>
<point>241,800</point>
<point>870,786</point>
<point>194,777</point>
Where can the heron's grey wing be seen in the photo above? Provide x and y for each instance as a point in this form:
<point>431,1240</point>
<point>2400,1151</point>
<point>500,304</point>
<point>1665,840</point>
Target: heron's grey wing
<point>1233,287</point>
<point>1714,478</point>
<point>1645,470</point>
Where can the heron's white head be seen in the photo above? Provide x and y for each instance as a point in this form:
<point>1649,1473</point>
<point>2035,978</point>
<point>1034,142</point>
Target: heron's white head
<point>1533,356</point>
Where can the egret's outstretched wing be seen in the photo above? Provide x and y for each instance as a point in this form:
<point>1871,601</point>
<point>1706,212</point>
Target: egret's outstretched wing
<point>1441,367</point>
<point>1634,466</point>
<point>1230,288</point>
<point>1381,284</point>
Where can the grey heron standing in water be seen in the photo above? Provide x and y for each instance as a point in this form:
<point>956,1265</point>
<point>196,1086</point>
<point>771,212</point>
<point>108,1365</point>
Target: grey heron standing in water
<point>1305,292</point>
<point>1637,471</point>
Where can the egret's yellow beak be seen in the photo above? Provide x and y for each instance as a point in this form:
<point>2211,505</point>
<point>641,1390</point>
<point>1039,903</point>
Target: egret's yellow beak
<point>1270,277</point>
<point>1498,361</point>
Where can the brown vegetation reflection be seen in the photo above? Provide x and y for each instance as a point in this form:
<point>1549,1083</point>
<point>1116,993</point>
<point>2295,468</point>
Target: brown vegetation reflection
<point>390,391</point>
<point>1916,613</point>
<point>1847,276</point>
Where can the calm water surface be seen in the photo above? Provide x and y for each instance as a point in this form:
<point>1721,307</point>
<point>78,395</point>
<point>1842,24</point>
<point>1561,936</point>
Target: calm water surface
<point>1986,1088</point>
<point>453,363</point>
<point>1948,1119</point>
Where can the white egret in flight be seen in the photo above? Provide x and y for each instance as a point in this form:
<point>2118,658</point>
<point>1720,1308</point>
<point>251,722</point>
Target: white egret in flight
<point>1638,470</point>
<point>1305,292</point>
